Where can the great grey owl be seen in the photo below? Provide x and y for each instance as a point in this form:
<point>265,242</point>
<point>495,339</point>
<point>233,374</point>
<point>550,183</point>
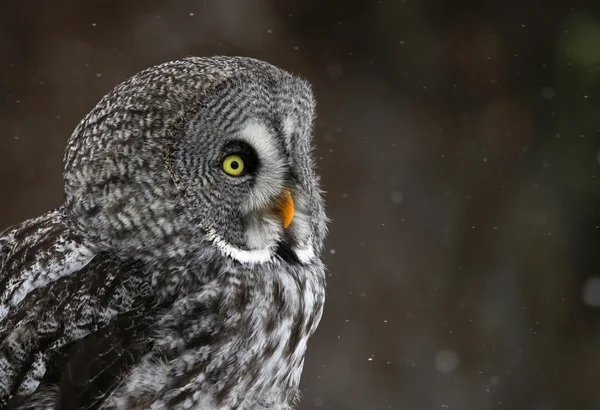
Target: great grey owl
<point>183,270</point>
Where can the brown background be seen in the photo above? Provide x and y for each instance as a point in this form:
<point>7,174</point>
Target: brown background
<point>459,146</point>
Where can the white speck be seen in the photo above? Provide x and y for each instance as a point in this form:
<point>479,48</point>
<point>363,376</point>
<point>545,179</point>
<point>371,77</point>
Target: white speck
<point>585,96</point>
<point>270,31</point>
<point>98,75</point>
<point>591,292</point>
<point>332,251</point>
<point>397,197</point>
<point>345,195</point>
<point>191,14</point>
<point>446,361</point>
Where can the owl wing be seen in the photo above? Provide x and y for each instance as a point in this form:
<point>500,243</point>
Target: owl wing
<point>80,375</point>
<point>94,364</point>
<point>79,330</point>
<point>35,253</point>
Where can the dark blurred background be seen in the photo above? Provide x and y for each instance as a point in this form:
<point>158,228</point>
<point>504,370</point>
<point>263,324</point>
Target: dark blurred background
<point>459,143</point>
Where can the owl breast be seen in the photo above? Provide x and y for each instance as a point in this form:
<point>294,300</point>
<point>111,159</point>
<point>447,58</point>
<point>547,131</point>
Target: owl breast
<point>239,343</point>
<point>297,303</point>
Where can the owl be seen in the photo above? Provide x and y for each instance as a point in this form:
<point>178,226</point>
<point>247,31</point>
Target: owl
<point>183,270</point>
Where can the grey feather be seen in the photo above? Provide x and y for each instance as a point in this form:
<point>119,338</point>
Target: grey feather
<point>163,282</point>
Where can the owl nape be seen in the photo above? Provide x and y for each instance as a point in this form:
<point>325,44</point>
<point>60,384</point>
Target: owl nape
<point>183,270</point>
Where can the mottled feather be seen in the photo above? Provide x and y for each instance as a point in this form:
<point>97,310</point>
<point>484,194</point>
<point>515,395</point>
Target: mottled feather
<point>162,282</point>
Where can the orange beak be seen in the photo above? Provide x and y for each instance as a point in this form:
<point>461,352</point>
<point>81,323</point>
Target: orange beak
<point>286,208</point>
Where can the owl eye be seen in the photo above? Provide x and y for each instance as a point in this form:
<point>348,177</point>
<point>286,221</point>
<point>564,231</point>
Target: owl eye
<point>234,165</point>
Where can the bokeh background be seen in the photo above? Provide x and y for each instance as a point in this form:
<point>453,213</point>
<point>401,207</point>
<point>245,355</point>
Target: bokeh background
<point>459,144</point>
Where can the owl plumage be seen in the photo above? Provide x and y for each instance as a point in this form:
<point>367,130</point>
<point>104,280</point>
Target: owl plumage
<point>164,281</point>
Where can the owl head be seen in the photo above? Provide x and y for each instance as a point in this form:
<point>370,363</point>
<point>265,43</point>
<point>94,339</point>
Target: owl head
<point>199,155</point>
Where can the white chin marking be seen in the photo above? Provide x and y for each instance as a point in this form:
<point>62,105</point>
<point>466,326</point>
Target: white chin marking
<point>240,255</point>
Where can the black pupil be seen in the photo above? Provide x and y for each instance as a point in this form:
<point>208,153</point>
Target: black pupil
<point>234,165</point>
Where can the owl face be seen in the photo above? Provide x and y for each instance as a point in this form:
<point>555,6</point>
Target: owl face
<point>198,152</point>
<point>242,164</point>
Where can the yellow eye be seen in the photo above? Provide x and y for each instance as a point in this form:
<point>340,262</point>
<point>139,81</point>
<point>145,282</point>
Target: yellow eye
<point>234,165</point>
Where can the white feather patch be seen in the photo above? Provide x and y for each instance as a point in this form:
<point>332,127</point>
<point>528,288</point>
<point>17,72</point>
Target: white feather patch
<point>240,255</point>
<point>305,255</point>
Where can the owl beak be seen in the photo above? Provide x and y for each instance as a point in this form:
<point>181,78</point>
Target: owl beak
<point>286,208</point>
